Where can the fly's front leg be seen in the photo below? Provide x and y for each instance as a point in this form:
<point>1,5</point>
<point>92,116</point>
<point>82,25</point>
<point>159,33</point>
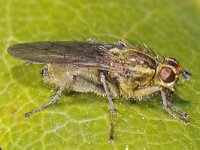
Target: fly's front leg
<point>172,110</point>
<point>186,115</point>
<point>112,107</point>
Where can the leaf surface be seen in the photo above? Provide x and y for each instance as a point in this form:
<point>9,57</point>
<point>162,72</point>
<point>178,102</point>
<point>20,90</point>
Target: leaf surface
<point>79,120</point>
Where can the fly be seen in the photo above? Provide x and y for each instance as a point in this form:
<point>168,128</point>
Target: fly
<point>111,70</point>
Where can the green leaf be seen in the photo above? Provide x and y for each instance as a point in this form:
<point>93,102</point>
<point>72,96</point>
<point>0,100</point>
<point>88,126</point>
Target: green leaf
<point>79,120</point>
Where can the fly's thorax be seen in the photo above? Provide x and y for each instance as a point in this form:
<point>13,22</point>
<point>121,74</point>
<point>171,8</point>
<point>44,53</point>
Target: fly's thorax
<point>134,63</point>
<point>142,75</point>
<point>138,69</point>
<point>137,77</point>
<point>133,57</point>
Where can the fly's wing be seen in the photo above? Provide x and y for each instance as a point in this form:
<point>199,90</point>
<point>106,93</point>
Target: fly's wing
<point>64,52</point>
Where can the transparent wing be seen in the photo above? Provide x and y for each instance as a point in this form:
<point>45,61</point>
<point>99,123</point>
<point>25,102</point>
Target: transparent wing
<point>64,52</point>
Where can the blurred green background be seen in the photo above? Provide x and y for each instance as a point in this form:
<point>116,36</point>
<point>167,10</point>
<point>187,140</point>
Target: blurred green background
<point>81,121</point>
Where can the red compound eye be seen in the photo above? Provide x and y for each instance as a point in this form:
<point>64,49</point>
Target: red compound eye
<point>167,75</point>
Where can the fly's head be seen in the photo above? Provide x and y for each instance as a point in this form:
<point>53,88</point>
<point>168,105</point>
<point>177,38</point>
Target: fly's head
<point>168,73</point>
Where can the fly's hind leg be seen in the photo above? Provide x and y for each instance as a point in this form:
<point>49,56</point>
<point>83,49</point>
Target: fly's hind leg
<point>112,107</point>
<point>52,101</point>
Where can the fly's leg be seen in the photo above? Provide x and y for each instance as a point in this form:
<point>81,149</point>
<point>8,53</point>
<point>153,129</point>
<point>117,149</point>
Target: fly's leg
<point>186,115</point>
<point>172,110</point>
<point>112,107</point>
<point>92,40</point>
<point>84,85</point>
<point>54,99</point>
<point>120,43</point>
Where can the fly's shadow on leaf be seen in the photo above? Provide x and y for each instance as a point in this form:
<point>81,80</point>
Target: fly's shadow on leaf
<point>178,100</point>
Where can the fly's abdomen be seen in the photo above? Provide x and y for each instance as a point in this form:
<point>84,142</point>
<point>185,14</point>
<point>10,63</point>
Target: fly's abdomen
<point>79,79</point>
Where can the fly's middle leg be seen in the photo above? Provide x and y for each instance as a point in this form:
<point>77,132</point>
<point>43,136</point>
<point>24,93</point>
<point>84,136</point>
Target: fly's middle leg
<point>112,107</point>
<point>85,85</point>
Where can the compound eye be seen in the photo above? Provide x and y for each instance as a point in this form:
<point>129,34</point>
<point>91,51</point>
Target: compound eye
<point>167,75</point>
